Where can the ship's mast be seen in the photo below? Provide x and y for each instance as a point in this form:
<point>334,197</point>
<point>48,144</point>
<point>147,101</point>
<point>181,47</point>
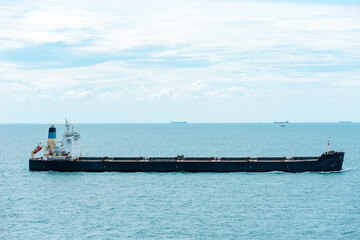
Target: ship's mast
<point>67,124</point>
<point>328,141</point>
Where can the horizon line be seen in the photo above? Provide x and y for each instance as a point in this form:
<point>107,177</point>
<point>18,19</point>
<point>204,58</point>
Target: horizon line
<point>181,123</point>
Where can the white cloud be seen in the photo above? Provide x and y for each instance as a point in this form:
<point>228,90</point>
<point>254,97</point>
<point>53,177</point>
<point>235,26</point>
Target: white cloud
<point>234,92</point>
<point>348,83</point>
<point>196,86</point>
<point>162,94</point>
<point>194,50</point>
<point>237,91</point>
<point>239,26</point>
<point>110,95</point>
<point>76,95</point>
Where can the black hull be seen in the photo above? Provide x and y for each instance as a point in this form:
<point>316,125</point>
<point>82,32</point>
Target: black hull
<point>325,163</point>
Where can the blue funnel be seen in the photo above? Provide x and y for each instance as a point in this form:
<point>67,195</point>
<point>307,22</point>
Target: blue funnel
<point>52,132</point>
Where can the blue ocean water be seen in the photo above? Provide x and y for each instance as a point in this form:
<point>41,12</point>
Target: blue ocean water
<point>275,205</point>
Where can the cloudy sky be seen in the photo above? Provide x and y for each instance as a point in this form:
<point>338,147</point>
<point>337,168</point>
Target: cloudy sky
<point>161,61</point>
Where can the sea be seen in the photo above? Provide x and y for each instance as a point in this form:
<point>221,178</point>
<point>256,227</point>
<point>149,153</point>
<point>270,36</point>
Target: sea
<point>181,205</point>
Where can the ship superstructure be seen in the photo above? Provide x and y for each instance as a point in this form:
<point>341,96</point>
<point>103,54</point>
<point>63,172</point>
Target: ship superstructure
<point>67,149</point>
<point>71,141</point>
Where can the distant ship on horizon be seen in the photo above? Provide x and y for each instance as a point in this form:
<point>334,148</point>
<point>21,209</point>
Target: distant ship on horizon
<point>179,122</point>
<point>286,122</point>
<point>344,121</point>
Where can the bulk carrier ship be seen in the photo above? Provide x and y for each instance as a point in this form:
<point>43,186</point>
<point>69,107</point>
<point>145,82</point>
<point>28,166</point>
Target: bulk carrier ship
<point>65,156</point>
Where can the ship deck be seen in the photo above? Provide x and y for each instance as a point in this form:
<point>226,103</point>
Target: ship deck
<point>187,159</point>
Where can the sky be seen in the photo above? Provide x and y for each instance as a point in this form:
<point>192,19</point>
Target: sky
<point>158,61</point>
